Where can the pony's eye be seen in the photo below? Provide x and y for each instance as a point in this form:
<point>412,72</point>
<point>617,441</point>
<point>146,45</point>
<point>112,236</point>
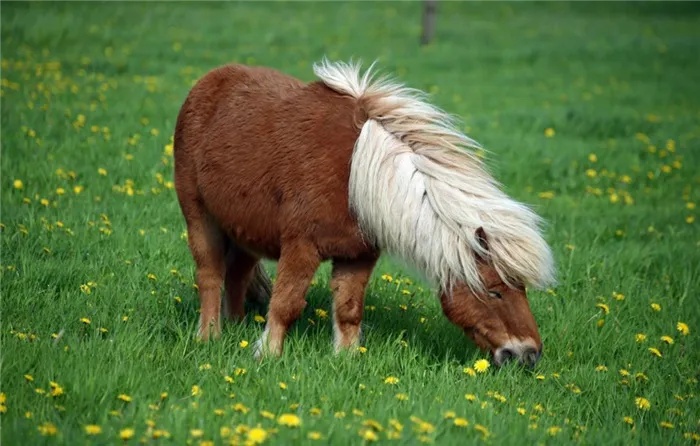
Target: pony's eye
<point>495,294</point>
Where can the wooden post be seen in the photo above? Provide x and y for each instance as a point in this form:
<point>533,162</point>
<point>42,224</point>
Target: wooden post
<point>429,9</point>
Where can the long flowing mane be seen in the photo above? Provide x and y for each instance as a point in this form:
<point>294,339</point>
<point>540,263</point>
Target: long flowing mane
<point>420,192</point>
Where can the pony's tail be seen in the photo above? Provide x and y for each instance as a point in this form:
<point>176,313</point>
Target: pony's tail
<point>260,287</point>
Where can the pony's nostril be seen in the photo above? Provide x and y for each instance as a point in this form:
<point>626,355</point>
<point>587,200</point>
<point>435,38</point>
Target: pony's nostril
<point>503,355</point>
<point>531,356</point>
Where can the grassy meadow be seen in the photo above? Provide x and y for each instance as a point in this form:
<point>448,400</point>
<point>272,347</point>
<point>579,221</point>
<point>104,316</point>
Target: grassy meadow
<point>590,113</point>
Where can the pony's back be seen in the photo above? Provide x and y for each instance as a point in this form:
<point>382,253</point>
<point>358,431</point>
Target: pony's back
<point>268,157</point>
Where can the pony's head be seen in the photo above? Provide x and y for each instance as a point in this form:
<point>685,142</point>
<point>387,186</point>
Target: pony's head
<point>496,317</point>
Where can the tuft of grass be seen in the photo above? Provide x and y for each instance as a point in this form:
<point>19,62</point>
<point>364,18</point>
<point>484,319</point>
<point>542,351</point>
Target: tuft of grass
<point>589,112</point>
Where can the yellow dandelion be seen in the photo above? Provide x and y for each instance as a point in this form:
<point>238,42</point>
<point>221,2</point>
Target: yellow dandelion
<point>102,171</point>
<point>47,429</point>
<point>18,184</point>
<point>243,344</point>
<point>682,328</point>
<point>391,380</point>
<point>642,403</point>
<point>469,371</point>
<point>655,306</point>
<point>593,158</point>
<point>591,173</point>
<point>460,422</point>
<point>92,429</point>
<point>362,349</point>
<point>603,307</point>
<point>124,397</point>
<point>601,368</point>
<point>196,433</point>
<point>666,425</point>
<point>402,397</point>
<point>549,132</point>
<point>259,319</point>
<point>484,431</point>
<point>481,365</point>
<point>126,434</point>
<point>257,435</point>
<point>369,435</point>
<point>283,386</point>
<point>289,420</point>
<point>196,390</point>
<point>470,397</point>
<point>314,435</point>
<point>667,339</point>
<point>655,352</point>
<point>554,430</point>
<point>339,415</point>
<point>628,420</point>
<point>85,320</point>
<point>640,337</point>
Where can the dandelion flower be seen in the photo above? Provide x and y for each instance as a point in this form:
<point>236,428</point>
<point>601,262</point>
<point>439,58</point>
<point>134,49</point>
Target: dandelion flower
<point>655,352</point>
<point>642,403</point>
<point>18,184</point>
<point>314,435</point>
<point>481,365</point>
<point>391,380</point>
<point>93,429</point>
<point>628,420</point>
<point>257,435</point>
<point>469,371</point>
<point>601,368</point>
<point>549,132</point>
<point>259,319</point>
<point>682,328</point>
<point>126,434</point>
<point>603,307</point>
<point>125,398</point>
<point>289,420</point>
<point>368,435</point>
<point>85,320</point>
<point>461,422</point>
<point>554,430</point>
<point>640,337</point>
<point>402,397</point>
<point>666,425</point>
<point>196,390</point>
<point>47,429</point>
<point>655,306</point>
<point>283,386</point>
<point>243,344</point>
<point>667,339</point>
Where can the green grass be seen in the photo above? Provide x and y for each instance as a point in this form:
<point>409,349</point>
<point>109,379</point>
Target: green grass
<point>611,80</point>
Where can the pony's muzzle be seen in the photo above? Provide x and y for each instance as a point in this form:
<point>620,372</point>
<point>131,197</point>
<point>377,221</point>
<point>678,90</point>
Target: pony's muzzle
<point>524,353</point>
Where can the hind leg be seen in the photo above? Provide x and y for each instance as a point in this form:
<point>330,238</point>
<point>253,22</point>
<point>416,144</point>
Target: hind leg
<point>348,284</point>
<point>240,268</point>
<point>206,245</point>
<point>296,267</point>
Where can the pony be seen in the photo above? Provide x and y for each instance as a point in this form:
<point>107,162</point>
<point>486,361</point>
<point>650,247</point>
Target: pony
<point>343,169</point>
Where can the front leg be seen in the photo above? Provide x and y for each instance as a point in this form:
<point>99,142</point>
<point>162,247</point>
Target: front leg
<point>298,262</point>
<point>348,284</point>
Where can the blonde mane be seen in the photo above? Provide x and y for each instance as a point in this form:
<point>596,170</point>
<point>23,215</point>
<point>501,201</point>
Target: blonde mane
<point>421,193</point>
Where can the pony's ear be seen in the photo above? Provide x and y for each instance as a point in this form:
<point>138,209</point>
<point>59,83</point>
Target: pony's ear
<point>483,242</point>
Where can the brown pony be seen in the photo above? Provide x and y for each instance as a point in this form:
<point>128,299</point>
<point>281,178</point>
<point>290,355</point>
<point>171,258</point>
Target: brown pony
<point>342,169</point>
